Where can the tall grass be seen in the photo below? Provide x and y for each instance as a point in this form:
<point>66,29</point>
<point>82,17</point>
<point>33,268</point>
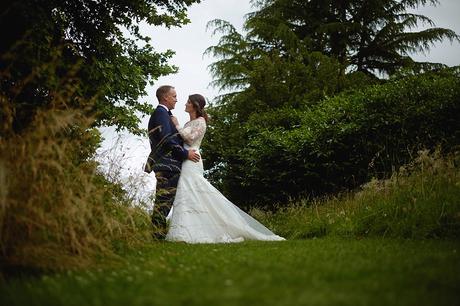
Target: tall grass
<point>56,211</point>
<point>115,160</point>
<point>421,200</point>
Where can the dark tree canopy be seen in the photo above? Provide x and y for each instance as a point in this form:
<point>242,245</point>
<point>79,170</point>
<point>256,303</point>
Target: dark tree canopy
<point>369,36</point>
<point>96,42</point>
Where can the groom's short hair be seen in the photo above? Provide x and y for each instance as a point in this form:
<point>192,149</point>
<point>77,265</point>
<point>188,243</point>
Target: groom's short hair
<point>162,91</point>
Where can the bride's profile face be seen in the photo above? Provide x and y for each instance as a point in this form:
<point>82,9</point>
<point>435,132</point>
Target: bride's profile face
<point>189,107</point>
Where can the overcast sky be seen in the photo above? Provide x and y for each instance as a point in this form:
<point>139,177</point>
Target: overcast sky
<point>190,42</point>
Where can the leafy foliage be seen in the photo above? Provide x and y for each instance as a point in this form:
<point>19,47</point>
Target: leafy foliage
<point>270,77</point>
<point>341,143</point>
<point>369,36</point>
<point>99,40</point>
<point>277,133</point>
<point>65,67</point>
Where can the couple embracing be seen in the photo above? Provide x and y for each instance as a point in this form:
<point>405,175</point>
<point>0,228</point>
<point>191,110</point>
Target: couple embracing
<point>201,214</point>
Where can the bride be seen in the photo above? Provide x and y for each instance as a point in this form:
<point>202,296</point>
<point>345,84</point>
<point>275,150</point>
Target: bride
<point>201,214</point>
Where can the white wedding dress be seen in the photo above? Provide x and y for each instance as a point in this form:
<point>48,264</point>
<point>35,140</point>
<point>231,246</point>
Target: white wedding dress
<point>201,214</point>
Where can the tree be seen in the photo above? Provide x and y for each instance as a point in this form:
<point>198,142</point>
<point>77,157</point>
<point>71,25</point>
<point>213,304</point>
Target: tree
<point>267,80</point>
<point>374,36</point>
<point>96,42</point>
<point>295,55</point>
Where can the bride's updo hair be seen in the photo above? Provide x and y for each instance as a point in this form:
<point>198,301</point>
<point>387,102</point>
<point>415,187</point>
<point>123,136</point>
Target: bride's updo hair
<point>199,103</point>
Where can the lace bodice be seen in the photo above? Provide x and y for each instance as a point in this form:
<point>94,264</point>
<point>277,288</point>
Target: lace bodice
<point>193,132</point>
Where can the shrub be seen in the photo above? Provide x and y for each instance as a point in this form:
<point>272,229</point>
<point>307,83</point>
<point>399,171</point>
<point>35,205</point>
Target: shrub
<point>56,211</point>
<point>348,139</point>
<point>421,200</point>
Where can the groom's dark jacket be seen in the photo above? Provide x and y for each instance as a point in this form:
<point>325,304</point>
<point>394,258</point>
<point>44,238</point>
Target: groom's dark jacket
<point>167,151</point>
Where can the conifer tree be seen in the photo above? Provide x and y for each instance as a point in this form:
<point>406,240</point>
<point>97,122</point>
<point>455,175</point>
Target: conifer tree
<point>376,36</point>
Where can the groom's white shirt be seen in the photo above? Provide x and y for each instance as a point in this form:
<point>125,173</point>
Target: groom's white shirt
<point>164,106</point>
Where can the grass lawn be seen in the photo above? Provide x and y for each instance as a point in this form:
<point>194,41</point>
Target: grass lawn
<point>326,271</point>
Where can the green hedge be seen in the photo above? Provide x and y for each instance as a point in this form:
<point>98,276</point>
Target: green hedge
<point>420,201</point>
<point>348,139</point>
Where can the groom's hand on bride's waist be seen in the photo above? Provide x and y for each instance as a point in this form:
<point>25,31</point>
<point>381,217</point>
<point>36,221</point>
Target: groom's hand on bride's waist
<point>194,156</point>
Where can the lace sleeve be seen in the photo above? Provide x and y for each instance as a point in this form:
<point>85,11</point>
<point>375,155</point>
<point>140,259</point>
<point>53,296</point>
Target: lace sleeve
<point>193,130</point>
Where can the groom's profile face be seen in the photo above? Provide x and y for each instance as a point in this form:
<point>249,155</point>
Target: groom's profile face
<point>170,99</point>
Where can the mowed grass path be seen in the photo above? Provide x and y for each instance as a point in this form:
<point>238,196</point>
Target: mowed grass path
<point>326,271</point>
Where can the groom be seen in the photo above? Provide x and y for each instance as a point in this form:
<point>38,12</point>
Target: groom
<point>166,157</point>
